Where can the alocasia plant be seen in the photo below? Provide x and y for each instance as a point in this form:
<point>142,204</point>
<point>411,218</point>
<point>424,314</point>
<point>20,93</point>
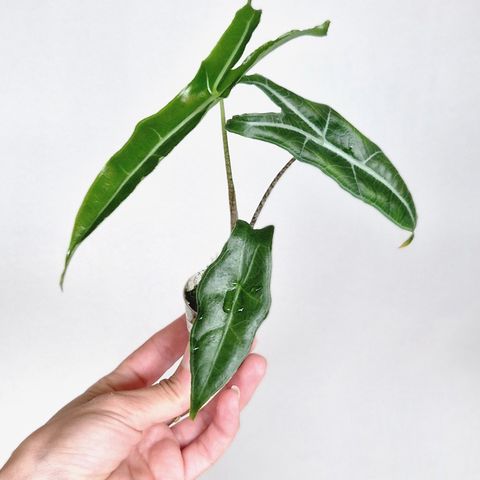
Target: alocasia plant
<point>233,295</point>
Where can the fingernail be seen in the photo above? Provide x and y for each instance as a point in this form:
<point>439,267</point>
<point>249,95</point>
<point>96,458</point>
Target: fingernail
<point>236,390</point>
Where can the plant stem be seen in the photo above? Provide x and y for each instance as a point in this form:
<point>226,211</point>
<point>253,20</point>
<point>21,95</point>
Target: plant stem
<point>269,191</point>
<point>232,199</point>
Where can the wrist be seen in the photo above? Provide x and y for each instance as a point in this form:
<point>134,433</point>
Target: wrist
<point>17,468</point>
<point>23,464</point>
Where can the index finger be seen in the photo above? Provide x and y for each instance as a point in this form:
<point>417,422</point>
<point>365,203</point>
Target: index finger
<point>149,362</point>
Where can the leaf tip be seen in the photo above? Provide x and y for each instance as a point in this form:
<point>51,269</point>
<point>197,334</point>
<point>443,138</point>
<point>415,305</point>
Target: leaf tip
<point>268,231</point>
<point>321,30</point>
<point>62,277</point>
<point>195,407</point>
<point>408,241</point>
<point>192,414</point>
<point>68,257</point>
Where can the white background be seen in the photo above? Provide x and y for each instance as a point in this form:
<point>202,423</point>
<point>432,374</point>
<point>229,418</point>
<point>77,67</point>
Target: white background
<point>374,359</point>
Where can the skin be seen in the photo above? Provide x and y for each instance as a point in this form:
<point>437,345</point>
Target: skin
<point>123,427</point>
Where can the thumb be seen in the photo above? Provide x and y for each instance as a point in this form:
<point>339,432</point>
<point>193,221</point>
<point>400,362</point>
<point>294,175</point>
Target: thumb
<point>159,403</point>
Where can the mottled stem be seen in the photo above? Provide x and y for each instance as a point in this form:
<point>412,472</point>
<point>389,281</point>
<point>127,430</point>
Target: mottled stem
<point>269,191</point>
<point>232,199</point>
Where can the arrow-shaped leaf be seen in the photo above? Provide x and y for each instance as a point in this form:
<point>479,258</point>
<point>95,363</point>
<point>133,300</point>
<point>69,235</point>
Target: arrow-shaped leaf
<point>233,299</point>
<point>316,134</point>
<point>155,137</point>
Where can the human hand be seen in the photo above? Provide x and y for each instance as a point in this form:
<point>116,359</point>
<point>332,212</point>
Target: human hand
<point>123,427</point>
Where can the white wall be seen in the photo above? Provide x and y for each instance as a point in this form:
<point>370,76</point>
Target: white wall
<point>374,352</point>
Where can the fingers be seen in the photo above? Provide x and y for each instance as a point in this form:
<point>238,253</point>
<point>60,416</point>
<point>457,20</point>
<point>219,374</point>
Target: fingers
<point>247,378</point>
<point>165,461</point>
<point>157,456</point>
<point>140,369</point>
<point>212,443</point>
<point>144,407</point>
<point>148,363</point>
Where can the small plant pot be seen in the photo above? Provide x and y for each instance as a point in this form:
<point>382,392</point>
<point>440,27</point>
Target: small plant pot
<point>189,297</point>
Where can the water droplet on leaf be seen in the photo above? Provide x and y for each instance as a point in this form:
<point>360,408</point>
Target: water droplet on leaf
<point>228,301</point>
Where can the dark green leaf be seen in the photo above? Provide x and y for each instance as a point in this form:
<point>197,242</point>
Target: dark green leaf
<point>264,50</point>
<point>155,136</point>
<point>316,134</point>
<point>233,299</point>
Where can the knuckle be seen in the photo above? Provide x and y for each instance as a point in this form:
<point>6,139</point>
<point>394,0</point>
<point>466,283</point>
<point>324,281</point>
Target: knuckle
<point>173,390</point>
<point>115,404</point>
<point>107,402</point>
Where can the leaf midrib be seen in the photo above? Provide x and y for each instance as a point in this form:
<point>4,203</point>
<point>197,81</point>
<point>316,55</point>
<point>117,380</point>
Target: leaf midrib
<point>230,314</point>
<point>339,152</point>
<point>147,157</point>
<point>228,65</point>
<point>214,96</point>
<point>335,149</point>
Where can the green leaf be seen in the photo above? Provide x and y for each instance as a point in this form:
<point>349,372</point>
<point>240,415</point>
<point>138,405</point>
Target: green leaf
<point>233,299</point>
<point>264,50</point>
<point>155,136</point>
<point>316,134</point>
